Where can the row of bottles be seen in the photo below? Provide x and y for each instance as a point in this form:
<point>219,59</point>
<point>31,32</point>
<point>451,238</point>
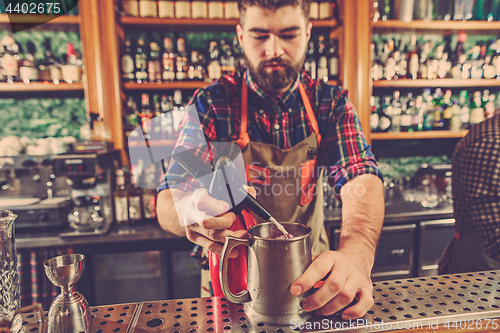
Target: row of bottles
<point>458,10</point>
<point>426,59</point>
<point>150,63</point>
<point>200,9</point>
<point>144,62</point>
<point>134,204</point>
<point>18,64</point>
<point>166,110</point>
<point>426,112</point>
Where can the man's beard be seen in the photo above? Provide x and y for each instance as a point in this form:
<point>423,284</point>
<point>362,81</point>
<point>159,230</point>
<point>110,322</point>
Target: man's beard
<point>276,79</point>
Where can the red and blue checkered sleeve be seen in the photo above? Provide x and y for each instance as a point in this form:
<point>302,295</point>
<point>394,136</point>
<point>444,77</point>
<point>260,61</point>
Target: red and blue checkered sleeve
<point>347,149</point>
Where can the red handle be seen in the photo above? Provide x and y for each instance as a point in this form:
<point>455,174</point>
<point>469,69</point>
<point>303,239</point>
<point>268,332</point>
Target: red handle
<point>237,267</point>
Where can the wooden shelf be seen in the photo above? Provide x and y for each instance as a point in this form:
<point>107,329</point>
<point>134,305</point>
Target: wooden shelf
<point>203,22</point>
<point>165,85</point>
<point>160,143</point>
<point>42,19</point>
<point>446,83</point>
<point>419,135</point>
<point>39,86</point>
<point>446,27</point>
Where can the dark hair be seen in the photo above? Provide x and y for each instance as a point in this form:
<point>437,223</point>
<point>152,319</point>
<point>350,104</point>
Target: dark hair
<point>273,5</point>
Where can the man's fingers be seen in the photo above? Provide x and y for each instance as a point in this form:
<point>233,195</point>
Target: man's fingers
<point>358,310</point>
<point>342,299</point>
<point>251,190</point>
<point>205,203</point>
<point>317,270</point>
<point>220,222</point>
<point>214,245</point>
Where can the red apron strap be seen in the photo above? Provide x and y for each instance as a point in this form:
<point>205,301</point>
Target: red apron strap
<point>244,139</point>
<point>310,113</point>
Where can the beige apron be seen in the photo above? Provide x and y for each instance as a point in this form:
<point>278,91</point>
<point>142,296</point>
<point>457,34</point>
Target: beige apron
<point>288,182</point>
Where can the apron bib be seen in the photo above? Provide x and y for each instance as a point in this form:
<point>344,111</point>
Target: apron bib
<point>288,182</point>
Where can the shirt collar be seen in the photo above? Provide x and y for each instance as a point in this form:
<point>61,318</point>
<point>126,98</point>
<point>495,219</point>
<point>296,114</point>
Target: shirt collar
<point>270,98</point>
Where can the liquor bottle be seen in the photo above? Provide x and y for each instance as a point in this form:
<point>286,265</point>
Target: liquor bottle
<point>141,62</point>
<point>71,72</point>
<point>459,10</point>
<point>322,60</point>
<point>148,8</point>
<point>374,117</point>
<point>476,62</point>
<point>314,10</point>
<point>231,10</point>
<point>227,59</point>
<point>178,111</point>
<point>325,10</point>
<point>167,105</point>
<point>385,9</point>
<point>456,122</point>
<point>130,8</point>
<point>477,111</point>
<point>238,55</point>
<point>214,67</point>
<point>149,194</point>
<point>310,62</point>
<point>478,12</point>
<point>463,103</point>
<point>10,59</point>
<point>120,198</point>
<point>447,107</point>
<point>442,10</point>
<point>195,70</point>
<point>134,198</point>
<point>29,71</point>
<point>418,114</point>
<point>46,62</point>
<point>127,62</point>
<point>385,115</point>
<point>215,10</point>
<point>182,9</point>
<point>154,63</point>
<point>168,60</point>
<point>489,70</point>
<point>413,61</point>
<point>130,117</point>
<point>199,9</point>
<point>406,114</point>
<point>437,110</point>
<point>396,112</point>
<point>166,9</point>
<point>181,62</point>
<point>145,115</point>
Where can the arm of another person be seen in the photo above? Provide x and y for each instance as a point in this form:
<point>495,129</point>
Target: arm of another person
<point>346,272</point>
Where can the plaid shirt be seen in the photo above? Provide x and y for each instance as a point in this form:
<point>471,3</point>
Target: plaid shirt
<point>281,121</point>
<point>476,186</point>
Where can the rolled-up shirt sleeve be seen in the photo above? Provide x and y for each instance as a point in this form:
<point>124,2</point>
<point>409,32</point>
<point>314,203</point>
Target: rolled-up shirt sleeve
<point>348,152</point>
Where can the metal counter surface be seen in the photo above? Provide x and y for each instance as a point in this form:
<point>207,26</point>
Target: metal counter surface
<point>436,303</point>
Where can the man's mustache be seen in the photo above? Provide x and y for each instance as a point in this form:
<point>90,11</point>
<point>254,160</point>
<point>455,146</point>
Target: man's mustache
<point>275,61</point>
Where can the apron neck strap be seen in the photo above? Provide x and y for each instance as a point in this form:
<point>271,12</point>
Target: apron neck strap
<point>244,139</point>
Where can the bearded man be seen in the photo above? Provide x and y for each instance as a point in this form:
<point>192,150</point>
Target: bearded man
<point>283,120</point>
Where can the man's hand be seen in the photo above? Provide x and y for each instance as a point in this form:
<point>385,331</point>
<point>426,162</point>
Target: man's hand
<point>347,278</point>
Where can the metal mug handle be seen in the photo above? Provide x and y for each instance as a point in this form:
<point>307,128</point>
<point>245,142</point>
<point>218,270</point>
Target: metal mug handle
<point>37,306</point>
<point>231,243</point>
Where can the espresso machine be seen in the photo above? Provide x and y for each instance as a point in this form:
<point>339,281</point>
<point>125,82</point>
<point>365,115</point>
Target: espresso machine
<point>91,178</point>
<point>29,187</point>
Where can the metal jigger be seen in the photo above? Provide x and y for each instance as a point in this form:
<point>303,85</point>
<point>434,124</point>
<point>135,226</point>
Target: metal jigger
<point>69,312</point>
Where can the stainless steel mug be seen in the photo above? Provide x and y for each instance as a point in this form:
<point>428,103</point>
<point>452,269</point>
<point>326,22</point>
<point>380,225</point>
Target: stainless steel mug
<point>273,264</point>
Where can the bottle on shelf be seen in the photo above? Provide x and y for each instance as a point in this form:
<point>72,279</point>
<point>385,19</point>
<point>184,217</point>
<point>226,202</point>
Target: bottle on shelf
<point>314,10</point>
<point>214,67</point>
<point>166,9</point>
<point>374,116</point>
<point>168,60</point>
<point>149,193</point>
<point>310,62</point>
<point>167,105</point>
<point>442,10</point>
<point>130,118</point>
<point>120,198</point>
<point>71,72</point>
<point>141,62</point>
<point>195,70</point>
<point>181,62</point>
<point>29,71</point>
<point>10,59</point>
<point>448,109</point>
<point>463,103</point>
<point>182,9</point>
<point>326,9</point>
<point>385,115</point>
<point>477,110</point>
<point>148,8</point>
<point>437,110</point>
<point>322,70</point>
<point>231,10</point>
<point>134,195</point>
<point>154,63</point>
<point>396,112</point>
<point>145,115</point>
<point>215,10</point>
<point>407,110</point>
<point>199,9</point>
<point>127,63</point>
<point>130,8</point>
<point>178,111</point>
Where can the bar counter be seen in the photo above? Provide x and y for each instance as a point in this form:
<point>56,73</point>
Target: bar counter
<point>459,302</point>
